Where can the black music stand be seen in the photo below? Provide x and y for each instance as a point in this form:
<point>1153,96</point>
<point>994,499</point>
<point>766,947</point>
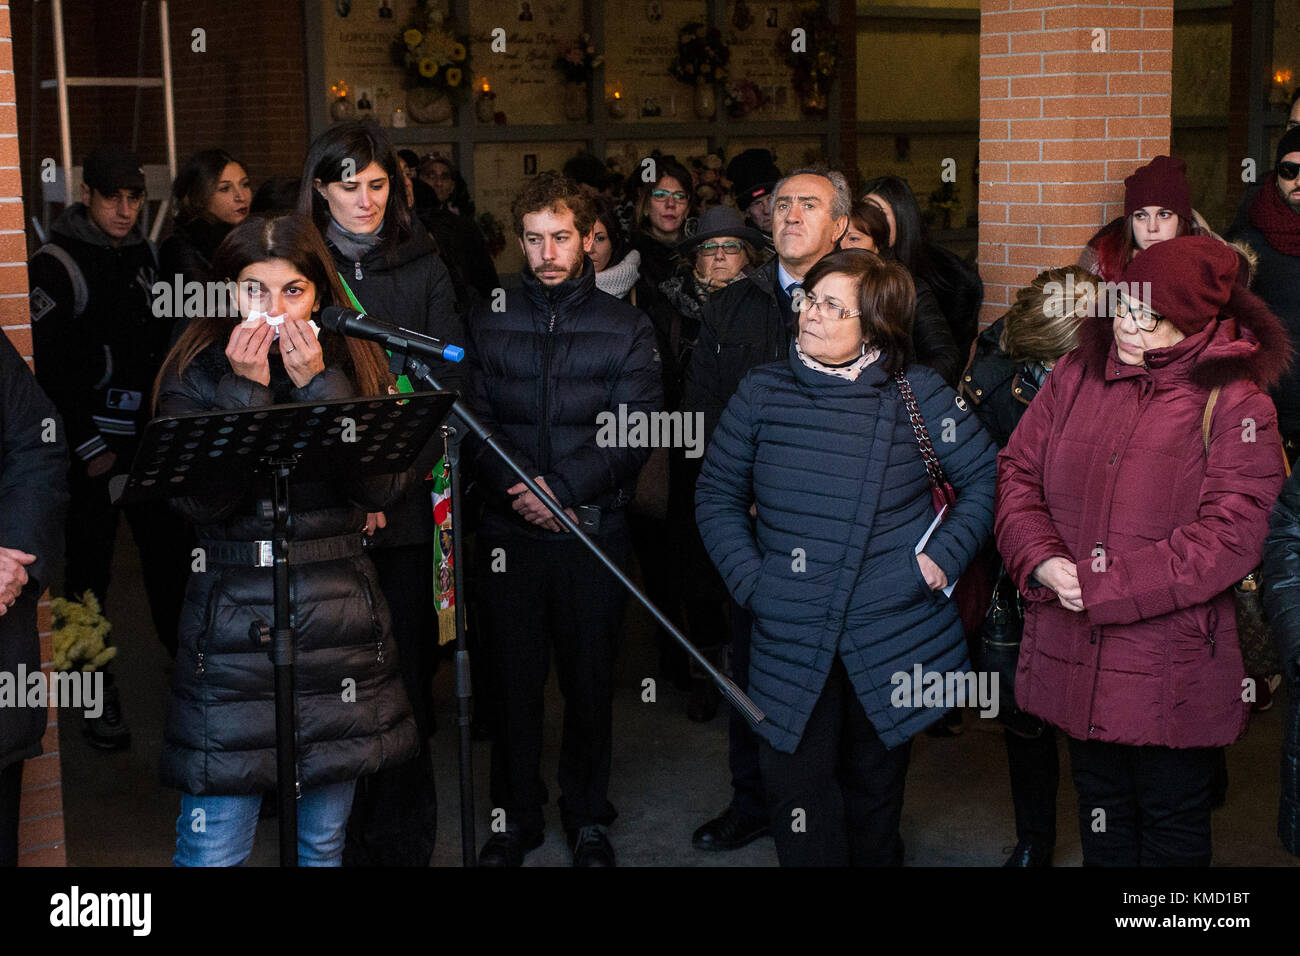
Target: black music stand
<point>212,452</point>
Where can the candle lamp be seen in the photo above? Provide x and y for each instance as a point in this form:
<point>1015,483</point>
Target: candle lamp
<point>484,101</point>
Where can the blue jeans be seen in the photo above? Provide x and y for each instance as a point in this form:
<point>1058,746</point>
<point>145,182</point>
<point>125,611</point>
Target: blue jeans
<point>222,834</point>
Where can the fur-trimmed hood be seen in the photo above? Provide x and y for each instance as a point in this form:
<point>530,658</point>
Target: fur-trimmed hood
<point>1246,341</point>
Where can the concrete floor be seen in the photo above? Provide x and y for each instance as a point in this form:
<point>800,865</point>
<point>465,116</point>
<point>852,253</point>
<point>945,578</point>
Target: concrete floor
<point>669,776</point>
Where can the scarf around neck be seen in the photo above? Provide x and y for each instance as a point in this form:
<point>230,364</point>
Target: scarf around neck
<point>353,245</point>
<point>849,371</point>
<point>618,280</point>
<point>1270,214</point>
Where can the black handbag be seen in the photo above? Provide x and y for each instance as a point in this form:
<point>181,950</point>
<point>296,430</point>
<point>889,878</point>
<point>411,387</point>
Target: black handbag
<point>999,653</point>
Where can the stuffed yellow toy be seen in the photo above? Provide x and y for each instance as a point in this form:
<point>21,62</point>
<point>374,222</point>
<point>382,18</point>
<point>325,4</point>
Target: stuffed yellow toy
<point>78,634</point>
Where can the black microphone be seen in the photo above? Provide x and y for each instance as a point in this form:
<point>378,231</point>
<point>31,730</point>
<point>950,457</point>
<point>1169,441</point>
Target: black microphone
<point>359,325</point>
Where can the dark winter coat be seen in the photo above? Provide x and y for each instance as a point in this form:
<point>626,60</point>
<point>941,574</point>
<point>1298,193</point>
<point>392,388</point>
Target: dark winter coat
<point>188,250</point>
<point>542,371</point>
<point>933,341</point>
<point>94,335</point>
<point>411,290</point>
<point>219,735</point>
<point>829,568</point>
<point>1277,282</point>
<point>959,291</point>
<point>1108,469</point>
<point>1281,592</point>
<point>998,389</point>
<point>658,259</point>
<point>33,501</point>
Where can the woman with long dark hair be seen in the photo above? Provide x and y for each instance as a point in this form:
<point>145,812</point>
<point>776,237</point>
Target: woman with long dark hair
<point>946,287</point>
<point>659,216</point>
<point>211,196</point>
<point>219,736</point>
<point>352,188</point>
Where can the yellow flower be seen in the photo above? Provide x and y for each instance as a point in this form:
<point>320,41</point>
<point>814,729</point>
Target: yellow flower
<point>428,67</point>
<point>412,37</point>
<point>453,76</point>
<point>458,52</point>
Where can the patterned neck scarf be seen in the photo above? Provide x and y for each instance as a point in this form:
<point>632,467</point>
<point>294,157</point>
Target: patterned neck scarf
<point>850,370</point>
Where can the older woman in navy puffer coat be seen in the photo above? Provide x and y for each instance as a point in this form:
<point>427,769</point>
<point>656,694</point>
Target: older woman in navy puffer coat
<point>844,605</point>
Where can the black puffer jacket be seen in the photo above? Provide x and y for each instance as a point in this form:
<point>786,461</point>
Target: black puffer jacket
<point>998,389</point>
<point>414,291</point>
<point>219,736</point>
<point>543,370</point>
<point>1281,581</point>
<point>33,499</point>
<point>188,250</point>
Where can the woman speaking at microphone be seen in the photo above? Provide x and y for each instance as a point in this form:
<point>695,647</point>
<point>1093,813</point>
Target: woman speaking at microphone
<point>352,188</point>
<point>219,736</point>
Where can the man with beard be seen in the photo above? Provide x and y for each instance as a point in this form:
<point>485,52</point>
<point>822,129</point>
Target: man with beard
<point>544,369</point>
<point>1273,234</point>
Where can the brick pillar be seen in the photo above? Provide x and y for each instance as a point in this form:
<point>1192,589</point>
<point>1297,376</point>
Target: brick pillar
<point>40,828</point>
<point>1062,122</point>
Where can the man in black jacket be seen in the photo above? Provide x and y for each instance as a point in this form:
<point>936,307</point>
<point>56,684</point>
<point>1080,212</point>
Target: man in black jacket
<point>747,324</point>
<point>547,373</point>
<point>98,344</point>
<point>33,499</point>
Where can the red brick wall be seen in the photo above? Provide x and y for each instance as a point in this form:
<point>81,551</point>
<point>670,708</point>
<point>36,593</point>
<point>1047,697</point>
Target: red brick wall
<point>1061,126</point>
<point>247,93</point>
<point>40,828</point>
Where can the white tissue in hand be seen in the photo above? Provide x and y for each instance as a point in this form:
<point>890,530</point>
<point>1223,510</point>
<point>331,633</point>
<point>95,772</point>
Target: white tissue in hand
<point>275,321</point>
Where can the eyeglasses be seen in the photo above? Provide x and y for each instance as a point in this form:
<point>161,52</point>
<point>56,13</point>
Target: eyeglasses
<point>830,309</point>
<point>1143,318</point>
<point>1288,171</point>
<point>731,247</point>
<point>661,195</point>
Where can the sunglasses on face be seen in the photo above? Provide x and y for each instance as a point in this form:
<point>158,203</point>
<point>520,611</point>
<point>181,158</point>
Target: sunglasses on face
<point>731,248</point>
<point>1288,171</point>
<point>661,195</point>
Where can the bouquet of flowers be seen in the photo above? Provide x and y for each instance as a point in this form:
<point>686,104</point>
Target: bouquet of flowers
<point>432,54</point>
<point>78,634</point>
<point>814,66</point>
<point>578,60</point>
<point>743,98</point>
<point>702,55</point>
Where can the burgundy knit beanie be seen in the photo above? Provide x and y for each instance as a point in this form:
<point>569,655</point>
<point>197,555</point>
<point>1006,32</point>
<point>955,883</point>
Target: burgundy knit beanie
<point>1161,182</point>
<point>1191,279</point>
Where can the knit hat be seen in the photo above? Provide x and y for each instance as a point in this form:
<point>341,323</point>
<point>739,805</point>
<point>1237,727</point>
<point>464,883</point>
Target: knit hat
<point>753,175</point>
<point>1192,280</point>
<point>1161,182</point>
<point>1289,143</point>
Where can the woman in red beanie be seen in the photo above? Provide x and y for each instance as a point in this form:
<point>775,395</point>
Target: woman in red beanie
<point>1157,207</point>
<point>1124,524</point>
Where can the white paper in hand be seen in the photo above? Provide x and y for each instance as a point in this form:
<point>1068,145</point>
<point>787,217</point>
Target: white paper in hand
<point>920,545</point>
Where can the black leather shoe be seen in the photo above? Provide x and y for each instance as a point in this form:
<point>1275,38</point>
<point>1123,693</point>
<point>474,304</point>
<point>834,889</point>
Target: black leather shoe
<point>1029,854</point>
<point>591,847</point>
<point>510,848</point>
<point>730,831</point>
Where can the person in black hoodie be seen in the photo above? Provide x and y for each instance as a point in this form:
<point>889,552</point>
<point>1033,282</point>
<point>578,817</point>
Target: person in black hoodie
<point>33,501</point>
<point>546,371</point>
<point>211,195</point>
<point>99,337</point>
<point>352,189</point>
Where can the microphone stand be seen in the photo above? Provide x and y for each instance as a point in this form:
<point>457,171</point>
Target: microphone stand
<point>414,366</point>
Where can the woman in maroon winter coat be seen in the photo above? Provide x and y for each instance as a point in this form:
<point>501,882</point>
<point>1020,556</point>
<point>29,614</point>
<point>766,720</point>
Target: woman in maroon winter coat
<point>1124,536</point>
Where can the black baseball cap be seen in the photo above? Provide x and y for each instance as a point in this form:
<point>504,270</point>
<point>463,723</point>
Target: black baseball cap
<point>111,168</point>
